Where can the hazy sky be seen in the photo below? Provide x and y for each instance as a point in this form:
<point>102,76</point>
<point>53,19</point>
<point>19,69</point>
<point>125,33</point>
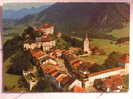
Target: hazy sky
<point>17,6</point>
<point>7,1</point>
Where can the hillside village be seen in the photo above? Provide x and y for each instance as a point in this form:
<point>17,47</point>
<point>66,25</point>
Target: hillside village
<point>65,70</point>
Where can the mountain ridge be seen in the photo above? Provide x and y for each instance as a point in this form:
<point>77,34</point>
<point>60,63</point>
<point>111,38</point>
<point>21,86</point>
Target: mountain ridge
<point>18,14</point>
<point>78,18</point>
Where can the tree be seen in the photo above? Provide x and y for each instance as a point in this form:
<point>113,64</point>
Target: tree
<point>73,41</point>
<point>21,61</point>
<point>112,60</point>
<point>61,44</point>
<point>30,34</point>
<point>12,46</point>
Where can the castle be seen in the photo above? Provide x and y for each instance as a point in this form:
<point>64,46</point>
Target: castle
<point>44,41</point>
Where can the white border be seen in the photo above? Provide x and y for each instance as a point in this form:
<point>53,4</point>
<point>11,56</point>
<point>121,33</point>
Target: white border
<point>127,95</point>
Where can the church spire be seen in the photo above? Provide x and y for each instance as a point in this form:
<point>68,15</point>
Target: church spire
<point>86,44</point>
<point>86,37</point>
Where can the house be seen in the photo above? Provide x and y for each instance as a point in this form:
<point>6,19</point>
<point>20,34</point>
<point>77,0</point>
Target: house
<point>110,84</point>
<point>38,56</point>
<point>74,49</point>
<point>31,78</point>
<point>75,83</point>
<point>47,43</point>
<point>58,52</point>
<point>124,61</point>
<point>104,74</point>
<point>46,29</point>
<point>79,67</point>
<point>49,60</point>
<point>78,89</point>
<point>117,83</point>
<point>57,77</point>
<point>63,79</point>
<point>58,34</point>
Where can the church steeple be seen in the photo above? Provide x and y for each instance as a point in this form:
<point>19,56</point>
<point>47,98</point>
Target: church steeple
<point>86,45</point>
<point>86,37</point>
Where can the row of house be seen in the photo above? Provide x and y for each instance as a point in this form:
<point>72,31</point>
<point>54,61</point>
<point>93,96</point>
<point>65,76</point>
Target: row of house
<point>61,79</point>
<point>113,73</point>
<point>83,69</point>
<point>78,66</point>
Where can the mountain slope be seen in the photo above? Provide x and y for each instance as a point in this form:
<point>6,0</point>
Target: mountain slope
<point>82,17</point>
<point>18,14</point>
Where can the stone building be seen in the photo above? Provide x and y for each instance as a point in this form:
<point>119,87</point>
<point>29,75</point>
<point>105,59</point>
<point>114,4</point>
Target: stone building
<point>46,43</point>
<point>46,29</point>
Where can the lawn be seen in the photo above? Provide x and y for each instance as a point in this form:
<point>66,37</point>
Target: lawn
<point>12,31</point>
<point>9,80</point>
<point>119,33</point>
<point>110,46</point>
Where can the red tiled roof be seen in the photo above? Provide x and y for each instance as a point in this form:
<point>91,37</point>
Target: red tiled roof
<point>58,50</point>
<point>46,39</point>
<point>46,26</point>
<point>48,70</point>
<point>78,89</point>
<point>37,53</point>
<point>61,77</point>
<point>117,80</point>
<point>40,29</point>
<point>124,58</point>
<point>66,79</point>
<point>113,82</point>
<point>55,73</point>
<point>108,70</point>
<point>108,82</point>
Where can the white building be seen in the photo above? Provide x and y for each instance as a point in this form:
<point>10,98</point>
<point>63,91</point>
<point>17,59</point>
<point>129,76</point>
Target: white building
<point>87,45</point>
<point>104,74</point>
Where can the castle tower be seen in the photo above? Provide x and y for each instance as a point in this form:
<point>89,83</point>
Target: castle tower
<point>86,45</point>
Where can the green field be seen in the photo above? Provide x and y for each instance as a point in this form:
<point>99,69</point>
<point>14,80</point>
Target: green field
<point>10,80</point>
<point>12,31</point>
<point>118,33</point>
<point>109,46</point>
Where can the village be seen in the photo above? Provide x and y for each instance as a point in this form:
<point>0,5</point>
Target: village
<point>66,70</point>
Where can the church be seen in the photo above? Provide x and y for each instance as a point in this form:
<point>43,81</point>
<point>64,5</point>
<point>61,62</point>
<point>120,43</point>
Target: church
<point>86,47</point>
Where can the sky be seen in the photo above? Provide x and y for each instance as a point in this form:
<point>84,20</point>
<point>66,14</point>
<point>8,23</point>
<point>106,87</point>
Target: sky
<point>11,1</point>
<point>17,6</point>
